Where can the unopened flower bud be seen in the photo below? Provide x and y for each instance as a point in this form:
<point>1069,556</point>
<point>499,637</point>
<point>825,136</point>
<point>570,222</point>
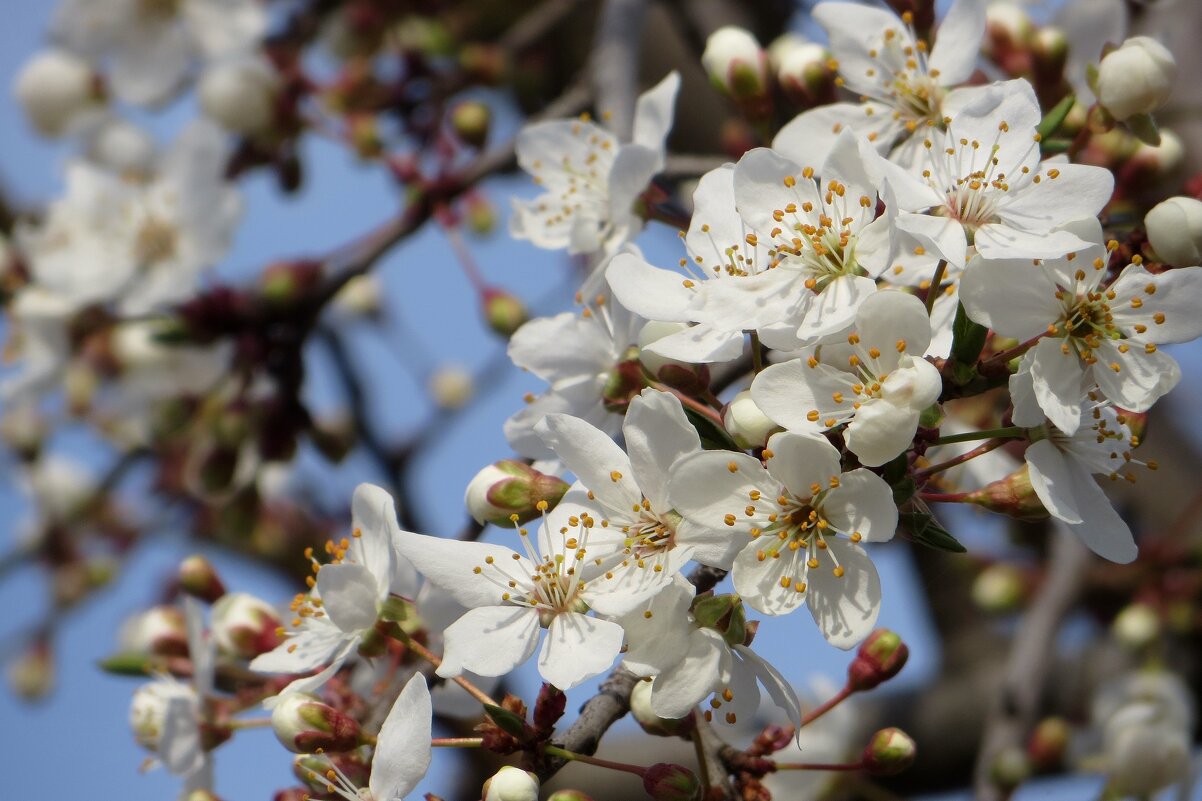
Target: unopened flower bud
<point>667,782</point>
<point>122,147</point>
<point>1049,743</point>
<point>644,714</point>
<point>879,658</point>
<point>241,95</point>
<point>364,135</point>
<point>624,382</point>
<point>508,488</point>
<point>1175,231</point>
<point>1136,78</point>
<point>31,675</point>
<point>199,578</point>
<point>303,725</point>
<point>889,751</point>
<point>1146,749</point>
<point>1008,27</point>
<point>1136,627</point>
<point>653,331</point>
<point>471,120</point>
<point>1163,160</point>
<point>802,68</point>
<point>245,626</point>
<point>286,282</point>
<point>999,588</point>
<point>1012,496</point>
<point>736,64</point>
<point>511,784</point>
<point>747,423</point>
<point>359,297</point>
<point>1049,49</point>
<point>159,630</point>
<point>451,386</point>
<point>23,428</point>
<point>479,215</point>
<point>53,88</point>
<point>1010,768</point>
<point>504,312</point>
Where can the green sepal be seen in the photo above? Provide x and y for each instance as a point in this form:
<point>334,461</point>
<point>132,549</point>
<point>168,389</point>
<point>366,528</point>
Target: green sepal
<point>1052,121</point>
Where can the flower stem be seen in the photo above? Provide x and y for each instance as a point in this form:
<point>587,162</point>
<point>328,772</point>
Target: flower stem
<point>936,280</point>
<point>250,723</point>
<point>1013,353</point>
<point>457,742</point>
<point>817,766</point>
<point>830,704</point>
<point>757,355</point>
<point>944,497</point>
<point>435,660</point>
<point>692,403</point>
<point>1009,432</point>
<point>980,450</point>
<point>571,756</point>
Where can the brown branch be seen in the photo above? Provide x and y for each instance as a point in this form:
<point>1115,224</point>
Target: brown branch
<point>1031,656</point>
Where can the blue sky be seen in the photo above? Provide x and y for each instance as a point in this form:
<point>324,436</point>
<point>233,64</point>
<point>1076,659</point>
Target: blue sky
<point>78,740</point>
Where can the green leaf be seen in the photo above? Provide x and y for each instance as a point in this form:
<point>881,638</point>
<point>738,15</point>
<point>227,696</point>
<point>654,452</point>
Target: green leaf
<point>713,437</point>
<point>127,664</point>
<point>1144,128</point>
<point>1052,121</point>
<point>904,490</point>
<point>931,417</point>
<point>922,526</point>
<point>506,721</point>
<point>968,338</point>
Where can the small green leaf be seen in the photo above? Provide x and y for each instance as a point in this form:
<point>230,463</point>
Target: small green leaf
<point>506,721</point>
<point>713,437</point>
<point>924,528</point>
<point>1144,128</point>
<point>1052,121</point>
<point>931,416</point>
<point>904,490</point>
<point>127,664</point>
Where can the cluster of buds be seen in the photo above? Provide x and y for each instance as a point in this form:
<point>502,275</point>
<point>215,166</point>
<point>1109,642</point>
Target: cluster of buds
<point>741,69</point>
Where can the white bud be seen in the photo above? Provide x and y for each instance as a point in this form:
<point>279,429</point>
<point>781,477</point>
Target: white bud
<point>1175,230</point>
<point>998,588</point>
<point>305,725</point>
<point>359,297</point>
<point>1137,626</point>
<point>1146,749</point>
<point>244,626</point>
<point>1165,159</point>
<point>744,421</point>
<point>735,63</point>
<point>122,147</point>
<point>54,87</point>
<point>653,331</point>
<point>158,630</point>
<point>451,386</point>
<point>240,95</point>
<point>511,784</point>
<point>1136,78</point>
<point>1007,21</point>
<point>803,66</point>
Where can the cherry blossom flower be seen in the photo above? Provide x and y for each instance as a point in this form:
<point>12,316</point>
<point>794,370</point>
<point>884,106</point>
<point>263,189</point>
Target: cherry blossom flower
<point>980,182</point>
<point>149,45</point>
<point>630,494</point>
<point>577,354</point>
<point>402,752</point>
<point>803,519</point>
<point>772,247</point>
<point>331,622</point>
<point>166,714</point>
<point>591,179</point>
<point>137,245</point>
<point>1062,466</point>
<point>690,662</point>
<point>1106,336</point>
<point>904,88</point>
<point>878,382</point>
<point>509,597</point>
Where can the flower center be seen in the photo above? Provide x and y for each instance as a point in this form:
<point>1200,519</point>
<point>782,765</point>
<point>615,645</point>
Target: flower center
<point>155,242</point>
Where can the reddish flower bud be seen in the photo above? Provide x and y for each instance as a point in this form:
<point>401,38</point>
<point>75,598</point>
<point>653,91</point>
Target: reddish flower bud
<point>245,626</point>
<point>1012,496</point>
<point>1049,744</point>
<point>889,751</point>
<point>304,725</point>
<point>880,658</point>
<point>508,488</point>
<point>159,630</point>
<point>664,781</point>
<point>199,578</point>
<point>471,120</point>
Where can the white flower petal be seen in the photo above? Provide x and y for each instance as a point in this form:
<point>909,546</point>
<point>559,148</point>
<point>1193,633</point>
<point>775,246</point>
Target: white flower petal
<point>451,565</point>
<point>1057,378</point>
<point>657,434</point>
<point>577,648</point>
<point>800,461</point>
<point>881,431</point>
<point>681,687</point>
<point>863,504</point>
<point>957,42</point>
<point>489,640</point>
<point>1053,479</point>
<point>597,461</point>
<point>845,607</point>
<point>403,753</point>
<point>1015,297</point>
<point>349,596</point>
<point>654,111</point>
